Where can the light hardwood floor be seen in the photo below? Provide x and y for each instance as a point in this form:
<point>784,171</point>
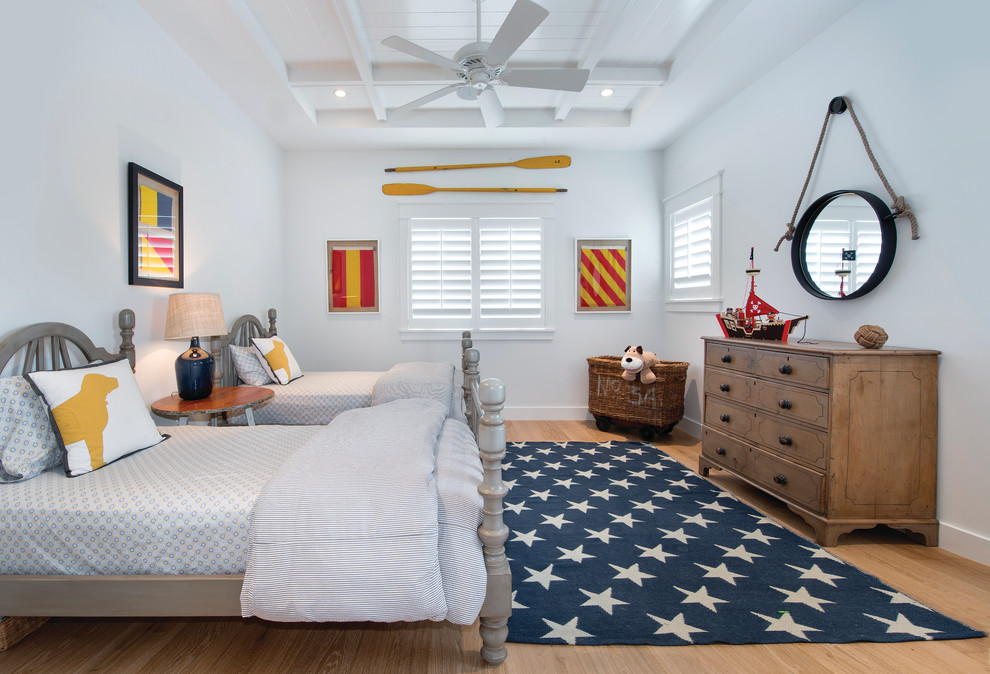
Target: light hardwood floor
<point>942,580</point>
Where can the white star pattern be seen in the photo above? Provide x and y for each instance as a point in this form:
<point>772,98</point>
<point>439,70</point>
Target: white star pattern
<point>557,520</point>
<point>815,573</point>
<point>602,600</point>
<point>720,571</point>
<point>677,627</point>
<point>701,596</point>
<point>575,555</point>
<point>626,570</point>
<point>904,626</point>
<point>802,596</point>
<point>544,577</point>
<point>785,623</point>
<point>632,573</point>
<point>568,632</point>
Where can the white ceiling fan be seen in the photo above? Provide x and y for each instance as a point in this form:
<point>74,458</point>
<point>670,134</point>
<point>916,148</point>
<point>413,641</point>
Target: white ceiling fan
<point>481,65</point>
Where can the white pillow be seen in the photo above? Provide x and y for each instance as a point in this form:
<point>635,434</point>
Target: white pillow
<point>277,359</point>
<point>247,362</point>
<point>98,414</point>
<point>27,442</point>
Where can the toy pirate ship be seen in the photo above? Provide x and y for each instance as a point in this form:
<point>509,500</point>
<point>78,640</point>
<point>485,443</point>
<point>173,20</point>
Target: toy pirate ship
<point>757,319</point>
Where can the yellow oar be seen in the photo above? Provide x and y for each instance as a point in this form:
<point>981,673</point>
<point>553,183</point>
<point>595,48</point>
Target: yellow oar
<point>409,189</point>
<point>556,161</point>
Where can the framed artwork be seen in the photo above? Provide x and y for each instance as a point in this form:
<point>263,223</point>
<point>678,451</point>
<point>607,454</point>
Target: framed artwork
<point>154,227</point>
<point>352,276</point>
<point>604,274</point>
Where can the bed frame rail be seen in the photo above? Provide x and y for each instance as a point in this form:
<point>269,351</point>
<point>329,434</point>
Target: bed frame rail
<point>46,346</point>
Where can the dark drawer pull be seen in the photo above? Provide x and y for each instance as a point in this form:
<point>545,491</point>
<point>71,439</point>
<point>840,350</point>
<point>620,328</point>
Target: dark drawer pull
<point>725,418</point>
<point>784,404</point>
<point>784,369</point>
<point>784,440</point>
<point>726,358</point>
<point>720,451</point>
<point>724,387</point>
<point>780,479</point>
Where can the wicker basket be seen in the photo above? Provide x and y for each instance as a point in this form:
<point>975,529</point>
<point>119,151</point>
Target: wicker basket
<point>14,629</point>
<point>655,408</point>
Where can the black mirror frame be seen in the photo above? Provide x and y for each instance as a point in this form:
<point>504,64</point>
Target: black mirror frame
<point>888,244</point>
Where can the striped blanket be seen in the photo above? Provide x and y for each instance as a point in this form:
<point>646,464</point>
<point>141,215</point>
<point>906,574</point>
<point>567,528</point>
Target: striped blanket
<point>375,518</point>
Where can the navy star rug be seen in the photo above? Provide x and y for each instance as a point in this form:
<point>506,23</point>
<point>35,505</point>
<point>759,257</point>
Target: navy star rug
<point>618,543</point>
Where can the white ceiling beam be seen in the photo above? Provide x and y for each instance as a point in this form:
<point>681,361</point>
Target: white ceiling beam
<point>342,75</point>
<point>466,118</point>
<point>346,11</point>
<point>593,52</point>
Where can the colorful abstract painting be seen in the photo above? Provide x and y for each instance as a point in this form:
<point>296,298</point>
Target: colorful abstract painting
<point>352,276</point>
<point>155,224</point>
<point>603,279</point>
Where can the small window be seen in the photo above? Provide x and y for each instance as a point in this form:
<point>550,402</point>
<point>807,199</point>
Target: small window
<point>693,224</point>
<point>475,267</point>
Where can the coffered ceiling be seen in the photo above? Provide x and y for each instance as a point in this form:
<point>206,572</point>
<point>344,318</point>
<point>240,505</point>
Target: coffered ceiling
<point>314,73</point>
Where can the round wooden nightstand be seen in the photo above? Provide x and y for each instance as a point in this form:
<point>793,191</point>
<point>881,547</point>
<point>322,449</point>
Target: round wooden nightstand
<point>223,399</point>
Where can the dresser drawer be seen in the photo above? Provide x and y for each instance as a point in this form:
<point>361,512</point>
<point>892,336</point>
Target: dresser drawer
<point>728,385</point>
<point>725,450</point>
<point>794,483</point>
<point>790,402</point>
<point>724,416</point>
<point>792,441</point>
<point>793,368</point>
<point>730,357</point>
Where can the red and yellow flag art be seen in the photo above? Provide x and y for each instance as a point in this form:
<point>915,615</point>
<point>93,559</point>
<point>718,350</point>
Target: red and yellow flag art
<point>353,278</point>
<point>603,277</point>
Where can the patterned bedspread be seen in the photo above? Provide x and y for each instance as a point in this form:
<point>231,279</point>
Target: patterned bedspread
<point>314,398</point>
<point>180,507</point>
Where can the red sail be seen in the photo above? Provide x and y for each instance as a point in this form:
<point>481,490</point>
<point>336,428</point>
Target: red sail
<point>757,307</point>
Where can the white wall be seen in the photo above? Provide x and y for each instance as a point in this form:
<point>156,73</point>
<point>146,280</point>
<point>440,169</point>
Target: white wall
<point>88,87</point>
<point>919,79</point>
<point>338,195</point>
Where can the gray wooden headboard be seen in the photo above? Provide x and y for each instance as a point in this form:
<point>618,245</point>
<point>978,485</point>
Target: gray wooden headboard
<point>46,346</point>
<point>241,332</point>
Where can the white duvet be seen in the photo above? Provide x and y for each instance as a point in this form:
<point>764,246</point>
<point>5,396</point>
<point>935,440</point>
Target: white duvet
<point>375,518</point>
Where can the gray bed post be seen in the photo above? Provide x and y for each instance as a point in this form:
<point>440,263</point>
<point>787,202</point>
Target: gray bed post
<point>272,330</point>
<point>469,365</point>
<point>493,532</point>
<point>125,320</point>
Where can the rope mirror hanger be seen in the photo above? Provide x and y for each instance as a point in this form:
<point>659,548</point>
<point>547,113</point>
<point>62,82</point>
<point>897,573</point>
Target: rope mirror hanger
<point>900,209</point>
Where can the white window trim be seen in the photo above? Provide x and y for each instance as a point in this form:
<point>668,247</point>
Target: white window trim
<point>709,188</point>
<point>409,211</point>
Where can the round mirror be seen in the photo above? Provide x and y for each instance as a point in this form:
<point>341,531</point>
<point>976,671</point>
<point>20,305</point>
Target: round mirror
<point>844,245</point>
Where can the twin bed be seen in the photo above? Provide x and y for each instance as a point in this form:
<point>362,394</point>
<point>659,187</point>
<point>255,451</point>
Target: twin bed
<point>385,514</point>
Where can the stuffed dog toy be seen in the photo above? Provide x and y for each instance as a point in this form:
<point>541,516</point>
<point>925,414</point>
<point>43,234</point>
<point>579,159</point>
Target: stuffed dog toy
<point>635,360</point>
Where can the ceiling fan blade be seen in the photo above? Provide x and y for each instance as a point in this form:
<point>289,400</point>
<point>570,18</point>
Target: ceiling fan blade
<point>522,20</point>
<point>491,108</point>
<point>439,93</point>
<point>560,79</point>
<point>407,47</point>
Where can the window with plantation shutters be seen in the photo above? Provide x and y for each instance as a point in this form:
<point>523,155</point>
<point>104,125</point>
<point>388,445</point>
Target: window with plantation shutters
<point>475,267</point>
<point>693,224</point>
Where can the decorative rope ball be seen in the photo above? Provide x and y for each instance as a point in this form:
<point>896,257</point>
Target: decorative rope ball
<point>871,336</point>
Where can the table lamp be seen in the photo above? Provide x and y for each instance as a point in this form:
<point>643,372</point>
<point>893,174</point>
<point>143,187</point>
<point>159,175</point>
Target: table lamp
<point>191,316</point>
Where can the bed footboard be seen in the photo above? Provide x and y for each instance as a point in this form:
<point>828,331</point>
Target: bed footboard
<point>484,401</point>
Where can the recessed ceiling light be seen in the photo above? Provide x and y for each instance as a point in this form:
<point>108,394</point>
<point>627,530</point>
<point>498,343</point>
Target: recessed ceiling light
<point>339,93</point>
<point>607,92</point>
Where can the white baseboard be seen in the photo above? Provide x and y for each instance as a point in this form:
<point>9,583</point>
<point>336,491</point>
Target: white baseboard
<point>964,543</point>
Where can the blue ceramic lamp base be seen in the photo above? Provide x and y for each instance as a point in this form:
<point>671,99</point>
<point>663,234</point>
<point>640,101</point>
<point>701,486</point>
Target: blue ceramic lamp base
<point>194,372</point>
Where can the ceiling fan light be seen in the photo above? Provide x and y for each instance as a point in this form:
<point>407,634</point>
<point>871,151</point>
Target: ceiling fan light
<point>491,108</point>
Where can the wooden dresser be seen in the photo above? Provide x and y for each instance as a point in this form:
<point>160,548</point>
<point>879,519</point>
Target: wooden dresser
<point>845,436</point>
